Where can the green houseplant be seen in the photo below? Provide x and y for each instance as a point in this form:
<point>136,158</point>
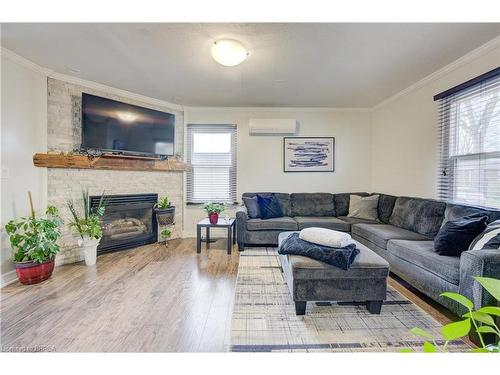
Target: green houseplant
<point>165,212</point>
<point>481,320</point>
<point>213,210</point>
<point>33,240</point>
<point>88,225</point>
<point>166,234</point>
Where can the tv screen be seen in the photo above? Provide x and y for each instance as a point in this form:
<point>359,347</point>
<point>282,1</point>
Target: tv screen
<point>108,125</point>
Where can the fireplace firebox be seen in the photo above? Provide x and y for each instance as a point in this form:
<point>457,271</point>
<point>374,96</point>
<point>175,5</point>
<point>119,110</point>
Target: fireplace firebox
<point>128,221</point>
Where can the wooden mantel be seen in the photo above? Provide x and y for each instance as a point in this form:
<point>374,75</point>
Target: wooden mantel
<point>109,162</point>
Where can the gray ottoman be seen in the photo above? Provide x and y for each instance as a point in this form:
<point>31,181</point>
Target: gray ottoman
<point>312,280</point>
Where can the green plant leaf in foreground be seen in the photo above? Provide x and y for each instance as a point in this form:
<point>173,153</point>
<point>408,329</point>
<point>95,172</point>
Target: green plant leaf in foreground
<point>480,350</point>
<point>456,330</point>
<point>429,348</point>
<point>487,329</point>
<point>480,317</point>
<point>491,285</point>
<point>459,298</point>
<point>491,310</point>
<point>420,332</point>
<point>407,350</point>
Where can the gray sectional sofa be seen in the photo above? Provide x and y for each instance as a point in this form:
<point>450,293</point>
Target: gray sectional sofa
<point>403,235</point>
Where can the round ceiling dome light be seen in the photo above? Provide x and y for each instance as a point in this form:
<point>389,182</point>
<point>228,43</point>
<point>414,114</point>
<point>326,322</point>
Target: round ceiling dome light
<point>228,52</point>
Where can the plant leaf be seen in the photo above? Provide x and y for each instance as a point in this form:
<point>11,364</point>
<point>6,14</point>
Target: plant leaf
<point>459,298</point>
<point>492,310</point>
<point>480,317</point>
<point>487,329</point>
<point>480,350</point>
<point>420,332</point>
<point>491,285</point>
<point>456,330</point>
<point>429,348</point>
<point>406,350</point>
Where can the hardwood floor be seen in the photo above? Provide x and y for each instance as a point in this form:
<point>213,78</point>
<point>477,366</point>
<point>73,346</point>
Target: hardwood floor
<point>148,299</point>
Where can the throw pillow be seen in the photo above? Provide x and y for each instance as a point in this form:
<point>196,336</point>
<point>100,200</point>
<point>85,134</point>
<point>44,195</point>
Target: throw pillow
<point>456,235</point>
<point>363,207</point>
<point>252,205</point>
<point>488,239</point>
<point>326,237</point>
<point>269,206</point>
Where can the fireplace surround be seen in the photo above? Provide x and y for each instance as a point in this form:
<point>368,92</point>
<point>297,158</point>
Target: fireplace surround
<point>128,221</point>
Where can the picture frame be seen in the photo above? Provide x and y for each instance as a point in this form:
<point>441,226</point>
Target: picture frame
<point>308,154</point>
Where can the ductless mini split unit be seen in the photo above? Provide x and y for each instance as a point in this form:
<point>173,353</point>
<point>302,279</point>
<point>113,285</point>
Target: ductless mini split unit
<point>270,126</point>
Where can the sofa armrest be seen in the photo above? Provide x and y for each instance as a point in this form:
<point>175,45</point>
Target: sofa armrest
<point>241,224</point>
<point>486,263</point>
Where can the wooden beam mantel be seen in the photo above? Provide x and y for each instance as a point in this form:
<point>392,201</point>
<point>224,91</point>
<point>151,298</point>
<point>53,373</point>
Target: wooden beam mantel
<point>110,163</point>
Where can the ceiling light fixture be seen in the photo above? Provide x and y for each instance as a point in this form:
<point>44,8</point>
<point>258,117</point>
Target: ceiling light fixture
<point>228,52</point>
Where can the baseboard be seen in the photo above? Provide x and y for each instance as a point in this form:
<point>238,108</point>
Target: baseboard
<point>8,278</point>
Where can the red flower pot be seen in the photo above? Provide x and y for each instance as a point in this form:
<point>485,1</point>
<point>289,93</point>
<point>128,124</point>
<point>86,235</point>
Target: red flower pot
<point>33,272</point>
<point>213,217</point>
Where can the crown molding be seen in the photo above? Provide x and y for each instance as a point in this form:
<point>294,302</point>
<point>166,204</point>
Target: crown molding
<point>82,82</point>
<point>472,55</point>
<point>277,109</point>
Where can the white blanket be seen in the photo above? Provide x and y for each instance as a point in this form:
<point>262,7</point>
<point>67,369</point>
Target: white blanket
<point>326,237</point>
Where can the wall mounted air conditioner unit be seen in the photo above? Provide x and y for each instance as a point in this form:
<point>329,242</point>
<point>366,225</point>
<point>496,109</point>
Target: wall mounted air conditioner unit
<point>277,126</point>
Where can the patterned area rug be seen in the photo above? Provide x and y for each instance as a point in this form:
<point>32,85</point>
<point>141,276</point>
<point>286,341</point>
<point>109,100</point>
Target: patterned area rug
<point>264,317</point>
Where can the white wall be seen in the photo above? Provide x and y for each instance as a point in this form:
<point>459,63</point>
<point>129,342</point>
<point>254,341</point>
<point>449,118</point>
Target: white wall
<point>23,132</point>
<point>260,158</point>
<point>404,131</point>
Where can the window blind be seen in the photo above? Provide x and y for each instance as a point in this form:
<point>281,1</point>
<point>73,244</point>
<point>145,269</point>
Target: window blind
<point>469,143</point>
<point>211,151</point>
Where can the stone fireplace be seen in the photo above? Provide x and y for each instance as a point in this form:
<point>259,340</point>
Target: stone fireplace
<point>128,221</point>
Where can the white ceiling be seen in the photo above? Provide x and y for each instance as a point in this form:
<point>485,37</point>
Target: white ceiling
<point>302,65</point>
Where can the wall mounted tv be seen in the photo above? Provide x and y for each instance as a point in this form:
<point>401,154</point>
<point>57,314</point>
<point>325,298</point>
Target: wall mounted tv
<point>111,126</point>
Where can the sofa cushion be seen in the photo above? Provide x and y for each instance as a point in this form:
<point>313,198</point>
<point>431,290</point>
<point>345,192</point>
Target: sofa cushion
<point>279,223</point>
<point>363,207</point>
<point>252,206</point>
<point>312,204</point>
<point>329,222</point>
<point>283,199</point>
<point>379,234</point>
<point>457,235</point>
<point>457,211</point>
<point>357,220</point>
<point>385,207</point>
<point>423,216</point>
<point>269,206</point>
<point>342,202</point>
<point>422,254</point>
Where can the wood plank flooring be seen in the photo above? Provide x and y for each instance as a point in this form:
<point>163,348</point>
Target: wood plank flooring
<point>148,299</point>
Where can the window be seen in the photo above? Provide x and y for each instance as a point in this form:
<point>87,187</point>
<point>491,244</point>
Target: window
<point>211,151</point>
<point>469,127</point>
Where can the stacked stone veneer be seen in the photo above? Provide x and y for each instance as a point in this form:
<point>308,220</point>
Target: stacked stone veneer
<point>64,134</point>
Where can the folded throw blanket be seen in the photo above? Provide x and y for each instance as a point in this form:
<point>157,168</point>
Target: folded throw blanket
<point>326,237</point>
<point>341,257</point>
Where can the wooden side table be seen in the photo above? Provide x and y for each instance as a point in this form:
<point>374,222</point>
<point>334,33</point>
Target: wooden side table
<point>222,223</point>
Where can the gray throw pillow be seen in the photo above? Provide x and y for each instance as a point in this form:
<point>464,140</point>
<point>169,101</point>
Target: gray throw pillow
<point>363,207</point>
<point>252,205</point>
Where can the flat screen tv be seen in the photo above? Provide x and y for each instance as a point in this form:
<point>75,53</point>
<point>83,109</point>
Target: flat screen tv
<point>111,126</point>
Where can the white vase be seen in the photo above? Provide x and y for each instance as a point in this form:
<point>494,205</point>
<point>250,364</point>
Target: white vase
<point>89,248</point>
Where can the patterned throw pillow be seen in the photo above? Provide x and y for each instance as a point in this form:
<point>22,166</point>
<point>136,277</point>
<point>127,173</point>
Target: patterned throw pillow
<point>269,206</point>
<point>488,239</point>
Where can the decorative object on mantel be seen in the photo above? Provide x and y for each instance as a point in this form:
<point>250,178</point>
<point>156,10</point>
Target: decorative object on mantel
<point>308,154</point>
<point>213,211</point>
<point>109,162</point>
<point>89,227</point>
<point>33,240</point>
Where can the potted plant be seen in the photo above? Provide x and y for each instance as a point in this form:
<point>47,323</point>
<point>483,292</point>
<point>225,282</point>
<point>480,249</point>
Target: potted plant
<point>88,226</point>
<point>166,234</point>
<point>33,240</point>
<point>165,212</point>
<point>213,211</point>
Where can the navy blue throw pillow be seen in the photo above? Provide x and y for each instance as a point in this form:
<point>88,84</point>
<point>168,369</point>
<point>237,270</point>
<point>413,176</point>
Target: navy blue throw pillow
<point>269,206</point>
<point>456,235</point>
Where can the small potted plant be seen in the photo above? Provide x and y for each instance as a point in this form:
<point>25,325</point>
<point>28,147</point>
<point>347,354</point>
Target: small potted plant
<point>213,211</point>
<point>33,240</point>
<point>165,212</point>
<point>166,234</point>
<point>88,226</point>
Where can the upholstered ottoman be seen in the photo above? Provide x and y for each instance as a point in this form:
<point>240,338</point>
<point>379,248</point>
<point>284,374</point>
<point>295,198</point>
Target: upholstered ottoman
<point>311,280</point>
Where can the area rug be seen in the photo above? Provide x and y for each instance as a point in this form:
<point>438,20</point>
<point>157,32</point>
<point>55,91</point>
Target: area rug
<point>264,319</point>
